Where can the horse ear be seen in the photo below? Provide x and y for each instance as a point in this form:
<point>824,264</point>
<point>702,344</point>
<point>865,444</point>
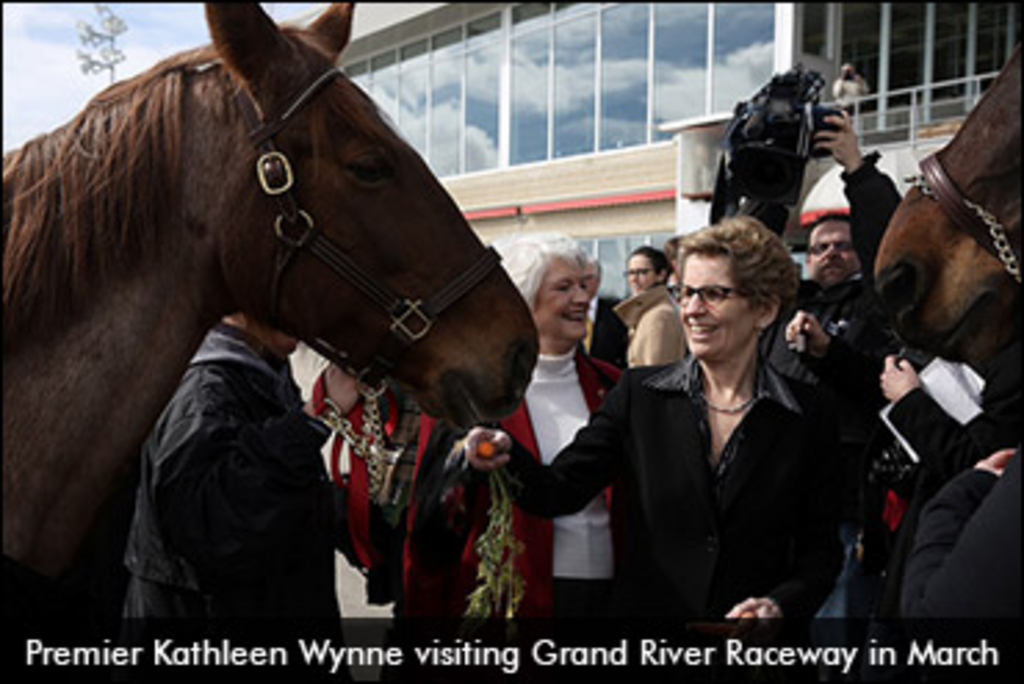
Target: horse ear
<point>334,26</point>
<point>245,38</point>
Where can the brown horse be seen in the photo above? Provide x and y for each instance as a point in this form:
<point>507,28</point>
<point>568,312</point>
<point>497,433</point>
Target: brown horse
<point>133,229</point>
<point>948,268</point>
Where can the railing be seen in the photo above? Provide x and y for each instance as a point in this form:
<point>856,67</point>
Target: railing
<point>919,114</point>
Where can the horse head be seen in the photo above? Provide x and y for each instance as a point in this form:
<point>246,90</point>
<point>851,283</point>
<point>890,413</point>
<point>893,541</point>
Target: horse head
<point>374,264</point>
<point>948,265</point>
<point>249,176</point>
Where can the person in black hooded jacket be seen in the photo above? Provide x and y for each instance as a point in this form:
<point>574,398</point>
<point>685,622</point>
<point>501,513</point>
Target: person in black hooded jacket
<point>235,515</point>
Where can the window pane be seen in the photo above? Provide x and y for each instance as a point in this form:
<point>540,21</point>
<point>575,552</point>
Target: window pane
<point>680,66</point>
<point>446,39</point>
<point>861,27</point>
<point>744,52</point>
<point>624,32</point>
<point>906,57</point>
<point>446,113</point>
<point>575,53</point>
<point>383,61</point>
<point>950,47</point>
<point>385,84</point>
<point>412,115</point>
<point>814,38</point>
<point>613,255</point>
<point>565,8</point>
<point>483,76</point>
<point>357,70</point>
<point>529,98</point>
<point>414,50</point>
<point>483,30</point>
<point>530,15</point>
<point>994,32</point>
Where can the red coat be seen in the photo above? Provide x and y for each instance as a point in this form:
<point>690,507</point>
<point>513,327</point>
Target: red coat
<point>440,590</point>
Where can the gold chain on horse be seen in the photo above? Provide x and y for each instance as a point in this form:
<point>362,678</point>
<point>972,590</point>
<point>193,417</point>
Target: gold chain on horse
<point>996,231</point>
<point>999,239</point>
<point>370,446</point>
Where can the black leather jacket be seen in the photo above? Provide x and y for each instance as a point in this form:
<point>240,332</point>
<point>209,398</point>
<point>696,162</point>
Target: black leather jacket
<point>235,515</point>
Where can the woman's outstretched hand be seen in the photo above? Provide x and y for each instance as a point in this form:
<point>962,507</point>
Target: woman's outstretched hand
<point>487,449</point>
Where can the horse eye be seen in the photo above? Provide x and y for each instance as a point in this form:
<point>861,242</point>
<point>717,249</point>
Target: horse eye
<point>370,170</point>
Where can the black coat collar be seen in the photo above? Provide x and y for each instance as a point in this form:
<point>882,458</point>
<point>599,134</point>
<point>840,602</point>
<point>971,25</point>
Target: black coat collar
<point>685,376</point>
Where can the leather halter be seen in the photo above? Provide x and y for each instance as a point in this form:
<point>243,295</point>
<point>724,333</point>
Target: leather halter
<point>967,215</point>
<point>410,319</point>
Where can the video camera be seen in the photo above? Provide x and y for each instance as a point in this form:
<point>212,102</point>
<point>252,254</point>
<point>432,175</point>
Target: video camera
<point>768,142</point>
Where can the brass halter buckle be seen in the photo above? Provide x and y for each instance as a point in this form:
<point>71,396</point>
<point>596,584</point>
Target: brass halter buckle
<point>274,173</point>
<point>411,308</point>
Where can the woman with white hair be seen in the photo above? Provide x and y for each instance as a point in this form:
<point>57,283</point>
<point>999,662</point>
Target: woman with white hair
<point>568,561</point>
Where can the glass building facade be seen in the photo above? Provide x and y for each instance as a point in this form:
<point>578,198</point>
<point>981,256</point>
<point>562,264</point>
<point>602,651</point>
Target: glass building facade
<point>510,86</point>
<point>581,78</point>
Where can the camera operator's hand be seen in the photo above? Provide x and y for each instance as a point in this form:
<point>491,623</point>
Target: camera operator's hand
<point>842,143</point>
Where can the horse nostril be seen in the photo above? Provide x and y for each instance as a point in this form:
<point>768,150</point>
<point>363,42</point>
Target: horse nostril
<point>897,287</point>
<point>522,359</point>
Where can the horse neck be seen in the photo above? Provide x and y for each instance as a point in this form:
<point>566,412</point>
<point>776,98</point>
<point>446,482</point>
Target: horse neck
<point>86,399</point>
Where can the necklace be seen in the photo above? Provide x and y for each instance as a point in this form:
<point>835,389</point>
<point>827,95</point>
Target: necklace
<point>731,410</point>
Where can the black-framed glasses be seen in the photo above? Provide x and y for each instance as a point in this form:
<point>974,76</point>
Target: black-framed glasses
<point>637,272</point>
<point>711,295</point>
<point>822,247</point>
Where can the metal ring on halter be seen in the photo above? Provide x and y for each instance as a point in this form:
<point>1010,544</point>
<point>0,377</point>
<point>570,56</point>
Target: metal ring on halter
<point>287,239</point>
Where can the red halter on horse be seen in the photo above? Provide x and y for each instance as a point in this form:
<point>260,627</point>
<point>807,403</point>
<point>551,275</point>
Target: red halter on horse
<point>948,268</point>
<point>134,228</point>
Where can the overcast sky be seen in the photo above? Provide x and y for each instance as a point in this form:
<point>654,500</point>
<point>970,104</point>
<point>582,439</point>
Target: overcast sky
<point>44,86</point>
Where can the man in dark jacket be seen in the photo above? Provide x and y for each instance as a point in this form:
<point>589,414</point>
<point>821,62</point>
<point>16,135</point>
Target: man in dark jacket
<point>235,515</point>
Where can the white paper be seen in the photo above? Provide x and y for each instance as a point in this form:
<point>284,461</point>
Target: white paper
<point>956,387</point>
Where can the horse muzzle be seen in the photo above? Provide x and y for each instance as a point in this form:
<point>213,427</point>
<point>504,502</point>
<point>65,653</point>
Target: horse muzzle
<point>900,288</point>
<point>469,399</point>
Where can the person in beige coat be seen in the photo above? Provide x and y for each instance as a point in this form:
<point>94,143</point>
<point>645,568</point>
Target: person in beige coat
<point>655,328</point>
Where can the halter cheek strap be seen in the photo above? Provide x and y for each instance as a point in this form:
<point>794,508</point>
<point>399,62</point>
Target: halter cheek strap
<point>410,318</point>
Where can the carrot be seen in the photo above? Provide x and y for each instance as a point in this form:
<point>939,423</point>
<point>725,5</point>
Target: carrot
<point>485,450</point>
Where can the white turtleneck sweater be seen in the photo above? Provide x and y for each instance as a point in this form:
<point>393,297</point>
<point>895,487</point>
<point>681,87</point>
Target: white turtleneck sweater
<point>583,540</point>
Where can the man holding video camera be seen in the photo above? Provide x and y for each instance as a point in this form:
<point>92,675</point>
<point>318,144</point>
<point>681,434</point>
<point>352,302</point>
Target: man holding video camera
<point>767,145</point>
<point>837,331</point>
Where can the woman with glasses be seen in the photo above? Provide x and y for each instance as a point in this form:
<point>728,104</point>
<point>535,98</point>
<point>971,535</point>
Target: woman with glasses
<point>729,469</point>
<point>655,331</point>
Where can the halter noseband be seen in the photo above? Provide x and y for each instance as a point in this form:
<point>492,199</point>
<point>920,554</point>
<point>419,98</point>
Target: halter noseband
<point>968,216</point>
<point>411,319</point>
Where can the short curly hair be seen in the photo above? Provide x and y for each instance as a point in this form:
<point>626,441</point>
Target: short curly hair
<point>762,267</point>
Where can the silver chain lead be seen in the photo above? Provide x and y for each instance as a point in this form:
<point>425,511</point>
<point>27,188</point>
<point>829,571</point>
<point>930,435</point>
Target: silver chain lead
<point>370,446</point>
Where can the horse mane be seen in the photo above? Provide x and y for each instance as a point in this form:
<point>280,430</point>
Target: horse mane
<point>84,201</point>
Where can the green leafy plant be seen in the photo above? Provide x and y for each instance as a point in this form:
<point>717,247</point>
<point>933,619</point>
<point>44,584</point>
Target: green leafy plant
<point>500,587</point>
